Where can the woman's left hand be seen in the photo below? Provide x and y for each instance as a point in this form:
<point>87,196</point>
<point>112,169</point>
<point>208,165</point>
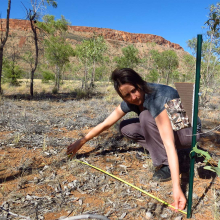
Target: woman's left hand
<point>179,199</point>
<point>166,133</point>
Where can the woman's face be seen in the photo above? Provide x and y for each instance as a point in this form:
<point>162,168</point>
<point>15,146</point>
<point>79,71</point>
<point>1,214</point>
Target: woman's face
<point>132,95</point>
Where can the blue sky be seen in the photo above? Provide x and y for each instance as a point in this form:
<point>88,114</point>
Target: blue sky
<point>175,20</point>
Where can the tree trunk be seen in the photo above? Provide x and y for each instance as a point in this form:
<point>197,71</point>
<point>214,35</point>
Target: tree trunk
<point>34,29</point>
<point>85,78</point>
<point>93,76</point>
<point>167,78</point>
<point>32,83</point>
<point>3,41</point>
<point>58,78</point>
<point>1,63</point>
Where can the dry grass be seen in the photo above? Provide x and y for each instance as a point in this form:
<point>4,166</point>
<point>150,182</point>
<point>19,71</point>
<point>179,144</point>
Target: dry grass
<point>66,87</point>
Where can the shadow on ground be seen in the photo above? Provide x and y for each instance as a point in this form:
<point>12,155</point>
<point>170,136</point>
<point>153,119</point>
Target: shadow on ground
<point>54,97</point>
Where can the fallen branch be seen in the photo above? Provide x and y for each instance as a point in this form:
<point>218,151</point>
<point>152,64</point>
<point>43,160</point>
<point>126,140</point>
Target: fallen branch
<point>16,215</point>
<point>88,216</point>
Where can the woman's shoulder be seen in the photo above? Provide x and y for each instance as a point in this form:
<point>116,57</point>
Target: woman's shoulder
<point>162,90</point>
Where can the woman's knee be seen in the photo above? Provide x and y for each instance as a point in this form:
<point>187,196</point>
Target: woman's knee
<point>129,126</point>
<point>147,121</point>
<point>146,117</point>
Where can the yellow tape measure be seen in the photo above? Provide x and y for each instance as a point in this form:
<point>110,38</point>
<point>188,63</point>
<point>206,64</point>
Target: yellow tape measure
<point>167,204</point>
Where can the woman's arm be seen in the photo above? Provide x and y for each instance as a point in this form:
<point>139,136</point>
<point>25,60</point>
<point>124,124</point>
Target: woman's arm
<point>166,133</point>
<point>107,123</point>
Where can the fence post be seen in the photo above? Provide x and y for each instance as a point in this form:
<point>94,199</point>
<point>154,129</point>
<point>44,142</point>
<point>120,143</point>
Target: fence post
<point>195,116</point>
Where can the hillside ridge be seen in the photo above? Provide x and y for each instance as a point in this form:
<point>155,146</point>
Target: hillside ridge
<point>108,34</point>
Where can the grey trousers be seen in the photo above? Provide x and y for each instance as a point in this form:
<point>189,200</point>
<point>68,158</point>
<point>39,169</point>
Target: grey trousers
<point>144,130</point>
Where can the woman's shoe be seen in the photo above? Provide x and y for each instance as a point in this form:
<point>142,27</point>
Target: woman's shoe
<point>163,174</point>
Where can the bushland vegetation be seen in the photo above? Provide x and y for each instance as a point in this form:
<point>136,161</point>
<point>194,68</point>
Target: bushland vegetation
<point>92,59</point>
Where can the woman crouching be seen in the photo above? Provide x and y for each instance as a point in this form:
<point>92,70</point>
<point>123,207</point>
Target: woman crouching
<point>154,128</point>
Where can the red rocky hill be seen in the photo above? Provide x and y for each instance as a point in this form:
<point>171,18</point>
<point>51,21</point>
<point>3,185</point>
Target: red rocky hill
<point>108,34</point>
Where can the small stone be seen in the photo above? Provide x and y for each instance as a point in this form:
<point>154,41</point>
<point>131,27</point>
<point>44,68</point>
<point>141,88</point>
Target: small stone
<point>28,197</point>
<point>178,218</point>
<point>195,196</point>
<point>80,202</point>
<point>45,167</point>
<point>145,165</point>
<point>149,215</point>
<point>53,151</point>
<point>164,216</point>
<point>5,205</point>
<point>47,153</point>
<point>123,215</point>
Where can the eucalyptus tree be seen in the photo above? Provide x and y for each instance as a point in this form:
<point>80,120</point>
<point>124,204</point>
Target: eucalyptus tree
<point>82,54</point>
<point>97,48</point>
<point>154,64</point>
<point>170,63</point>
<point>189,68</point>
<point>210,54</point>
<point>214,18</point>
<point>209,66</point>
<point>90,52</point>
<point>163,65</point>
<point>11,70</point>
<point>129,59</point>
<point>34,14</point>
<point>3,40</point>
<point>57,50</point>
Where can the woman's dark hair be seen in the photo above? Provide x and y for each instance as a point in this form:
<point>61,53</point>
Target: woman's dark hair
<point>127,75</point>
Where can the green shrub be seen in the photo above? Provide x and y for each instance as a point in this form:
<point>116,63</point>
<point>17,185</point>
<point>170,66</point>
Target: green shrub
<point>208,160</point>
<point>11,73</point>
<point>81,93</point>
<point>47,76</point>
<point>153,75</point>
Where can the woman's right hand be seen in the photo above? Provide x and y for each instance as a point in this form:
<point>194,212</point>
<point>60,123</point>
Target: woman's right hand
<point>74,147</point>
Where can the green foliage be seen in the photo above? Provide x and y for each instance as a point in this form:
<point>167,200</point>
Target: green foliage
<point>47,76</point>
<point>11,72</point>
<point>214,169</point>
<point>80,93</point>
<point>90,52</point>
<point>209,65</point>
<point>214,18</point>
<point>175,75</point>
<point>129,59</point>
<point>207,159</point>
<point>169,59</point>
<point>153,75</point>
<point>189,68</point>
<point>165,63</point>
<point>57,50</point>
<point>52,26</point>
<point>100,72</point>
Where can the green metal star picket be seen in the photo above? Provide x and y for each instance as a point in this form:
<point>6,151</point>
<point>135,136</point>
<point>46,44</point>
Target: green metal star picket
<point>195,116</point>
